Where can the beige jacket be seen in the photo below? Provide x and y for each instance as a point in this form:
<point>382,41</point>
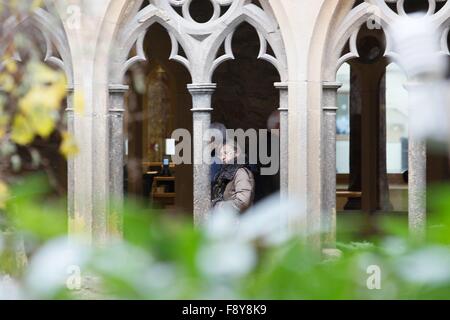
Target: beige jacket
<point>240,191</point>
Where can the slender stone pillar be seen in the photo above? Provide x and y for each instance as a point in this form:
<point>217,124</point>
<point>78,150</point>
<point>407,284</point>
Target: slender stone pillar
<point>329,164</point>
<point>116,158</point>
<point>417,177</point>
<point>284,138</point>
<point>70,163</point>
<point>201,109</point>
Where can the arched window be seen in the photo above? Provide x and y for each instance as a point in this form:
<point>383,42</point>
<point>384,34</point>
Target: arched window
<point>387,151</point>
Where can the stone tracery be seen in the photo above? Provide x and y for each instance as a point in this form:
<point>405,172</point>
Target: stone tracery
<point>201,44</point>
<point>378,14</point>
<point>200,41</point>
<point>57,52</point>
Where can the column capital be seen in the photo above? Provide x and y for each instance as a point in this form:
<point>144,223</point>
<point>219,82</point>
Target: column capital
<point>118,88</point>
<point>70,90</point>
<point>201,88</point>
<point>283,88</point>
<point>331,85</point>
<point>202,109</point>
<point>281,85</point>
<point>201,95</point>
<point>116,111</point>
<point>117,99</point>
<point>330,95</point>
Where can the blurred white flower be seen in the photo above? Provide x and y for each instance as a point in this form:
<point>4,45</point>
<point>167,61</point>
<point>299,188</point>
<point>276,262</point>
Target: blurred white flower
<point>122,261</point>
<point>230,250</point>
<point>417,48</point>
<point>426,266</point>
<point>394,246</point>
<point>10,289</point>
<point>429,110</point>
<point>227,259</point>
<point>50,267</point>
<point>158,280</point>
<point>417,45</point>
<point>269,221</point>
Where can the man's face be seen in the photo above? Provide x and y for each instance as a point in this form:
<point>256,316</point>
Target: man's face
<point>227,154</point>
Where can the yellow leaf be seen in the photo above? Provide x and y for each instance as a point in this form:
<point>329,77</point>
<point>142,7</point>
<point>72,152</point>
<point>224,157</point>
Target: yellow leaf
<point>7,82</point>
<point>4,194</point>
<point>37,97</point>
<point>36,4</point>
<point>42,120</point>
<point>22,131</point>
<point>42,74</point>
<point>11,65</point>
<point>68,145</point>
<point>40,105</point>
<point>31,100</point>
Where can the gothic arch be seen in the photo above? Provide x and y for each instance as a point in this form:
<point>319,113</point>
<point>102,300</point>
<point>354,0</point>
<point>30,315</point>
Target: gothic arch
<point>347,22</point>
<point>133,34</point>
<point>200,43</point>
<point>54,34</point>
<point>378,12</point>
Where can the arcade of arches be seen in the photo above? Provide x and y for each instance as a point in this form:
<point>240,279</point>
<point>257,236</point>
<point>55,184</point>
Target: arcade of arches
<point>146,68</point>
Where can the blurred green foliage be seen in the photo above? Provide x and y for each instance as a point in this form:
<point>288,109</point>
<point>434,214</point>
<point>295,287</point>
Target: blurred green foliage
<point>164,257</point>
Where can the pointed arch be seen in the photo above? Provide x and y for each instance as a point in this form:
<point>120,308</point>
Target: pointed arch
<point>133,34</point>
<point>199,41</point>
<point>54,34</point>
<point>267,37</point>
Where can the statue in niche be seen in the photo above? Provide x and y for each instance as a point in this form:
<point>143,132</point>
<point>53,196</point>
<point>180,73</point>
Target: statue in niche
<point>158,113</point>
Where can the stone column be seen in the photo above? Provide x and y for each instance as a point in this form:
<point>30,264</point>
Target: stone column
<point>284,138</point>
<point>329,164</point>
<point>116,158</point>
<point>70,162</point>
<point>201,109</point>
<point>417,177</point>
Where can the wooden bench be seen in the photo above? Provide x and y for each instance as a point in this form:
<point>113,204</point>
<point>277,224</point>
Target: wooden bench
<point>348,194</point>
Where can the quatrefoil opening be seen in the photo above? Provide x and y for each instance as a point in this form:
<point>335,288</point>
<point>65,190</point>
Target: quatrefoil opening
<point>201,11</point>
